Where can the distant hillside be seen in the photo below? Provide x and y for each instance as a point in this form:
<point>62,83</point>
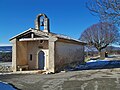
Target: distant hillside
<point>93,49</point>
<point>5,48</point>
<point>113,48</point>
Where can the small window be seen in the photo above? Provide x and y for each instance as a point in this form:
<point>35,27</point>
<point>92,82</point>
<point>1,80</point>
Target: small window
<point>31,57</point>
<point>41,41</point>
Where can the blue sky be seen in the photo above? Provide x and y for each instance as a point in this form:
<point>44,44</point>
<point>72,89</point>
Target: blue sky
<point>68,17</point>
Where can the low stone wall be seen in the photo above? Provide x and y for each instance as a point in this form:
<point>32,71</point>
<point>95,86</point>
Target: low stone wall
<point>5,67</point>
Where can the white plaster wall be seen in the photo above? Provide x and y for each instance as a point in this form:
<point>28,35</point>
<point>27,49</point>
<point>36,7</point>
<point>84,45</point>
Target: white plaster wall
<point>14,55</point>
<point>66,53</point>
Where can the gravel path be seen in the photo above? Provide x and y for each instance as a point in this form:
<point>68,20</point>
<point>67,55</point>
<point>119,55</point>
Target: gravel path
<point>103,79</point>
<point>75,80</point>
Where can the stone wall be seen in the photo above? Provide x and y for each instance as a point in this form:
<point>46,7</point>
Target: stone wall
<point>5,67</point>
<point>67,53</point>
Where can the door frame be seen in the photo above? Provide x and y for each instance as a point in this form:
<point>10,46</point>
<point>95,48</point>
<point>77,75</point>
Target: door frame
<point>45,58</point>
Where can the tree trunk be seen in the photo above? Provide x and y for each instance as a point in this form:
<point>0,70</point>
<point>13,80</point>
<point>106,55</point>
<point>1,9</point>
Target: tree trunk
<point>102,54</point>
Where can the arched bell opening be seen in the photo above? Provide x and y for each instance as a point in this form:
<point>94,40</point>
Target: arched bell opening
<point>42,23</point>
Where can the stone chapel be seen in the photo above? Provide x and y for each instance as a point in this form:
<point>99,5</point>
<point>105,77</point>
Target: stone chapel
<point>40,49</point>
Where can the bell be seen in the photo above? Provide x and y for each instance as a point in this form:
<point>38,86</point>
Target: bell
<point>42,24</point>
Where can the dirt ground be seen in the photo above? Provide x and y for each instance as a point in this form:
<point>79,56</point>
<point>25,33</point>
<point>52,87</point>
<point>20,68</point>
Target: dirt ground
<point>75,80</point>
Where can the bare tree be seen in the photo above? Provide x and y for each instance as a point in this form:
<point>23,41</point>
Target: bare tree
<point>100,35</point>
<point>107,10</point>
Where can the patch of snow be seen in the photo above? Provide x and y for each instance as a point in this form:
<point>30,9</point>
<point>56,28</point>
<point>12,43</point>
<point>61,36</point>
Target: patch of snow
<point>96,60</point>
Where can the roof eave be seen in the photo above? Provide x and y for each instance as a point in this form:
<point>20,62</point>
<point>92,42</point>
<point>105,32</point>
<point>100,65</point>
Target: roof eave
<point>22,33</point>
<point>83,43</point>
